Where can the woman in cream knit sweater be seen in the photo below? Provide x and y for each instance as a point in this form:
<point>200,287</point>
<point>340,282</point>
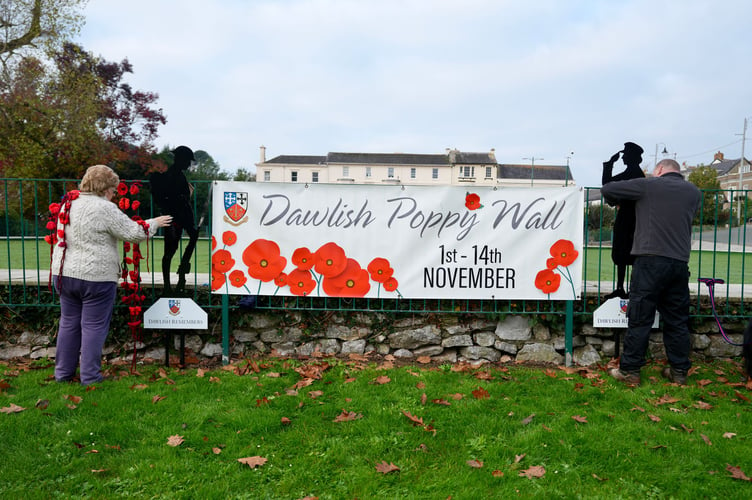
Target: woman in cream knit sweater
<point>86,269</point>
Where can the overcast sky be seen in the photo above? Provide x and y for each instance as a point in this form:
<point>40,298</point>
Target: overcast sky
<point>530,78</point>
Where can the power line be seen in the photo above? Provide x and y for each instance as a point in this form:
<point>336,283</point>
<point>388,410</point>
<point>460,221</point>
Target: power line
<point>684,157</point>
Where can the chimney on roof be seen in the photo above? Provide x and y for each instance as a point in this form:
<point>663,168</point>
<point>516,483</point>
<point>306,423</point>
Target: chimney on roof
<point>718,156</point>
<point>262,156</point>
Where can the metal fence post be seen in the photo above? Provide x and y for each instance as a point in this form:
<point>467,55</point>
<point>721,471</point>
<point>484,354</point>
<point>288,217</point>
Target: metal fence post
<point>568,329</point>
<point>225,329</point>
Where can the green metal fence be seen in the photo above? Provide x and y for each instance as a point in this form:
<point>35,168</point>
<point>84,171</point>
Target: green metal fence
<point>720,250</point>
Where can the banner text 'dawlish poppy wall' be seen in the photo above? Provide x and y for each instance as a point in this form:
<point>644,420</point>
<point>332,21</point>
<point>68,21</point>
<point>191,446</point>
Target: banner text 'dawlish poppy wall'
<point>326,240</point>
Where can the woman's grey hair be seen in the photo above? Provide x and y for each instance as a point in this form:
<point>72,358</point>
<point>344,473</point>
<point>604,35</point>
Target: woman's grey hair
<point>98,179</point>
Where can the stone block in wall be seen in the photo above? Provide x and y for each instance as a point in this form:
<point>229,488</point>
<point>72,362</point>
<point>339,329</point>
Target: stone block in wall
<point>284,335</point>
<point>608,348</point>
<point>260,347</point>
<point>210,350</point>
<point>719,348</point>
<point>430,350</point>
<point>403,354</point>
<point>192,342</point>
<point>155,353</point>
<point>42,352</point>
<point>560,343</point>
<point>456,329</point>
<point>457,341</point>
<point>507,347</point>
<point>484,339</point>
<point>410,339</point>
<point>283,349</point>
<point>328,346</point>
<point>700,341</point>
<point>586,356</point>
<point>245,335</point>
<point>540,353</point>
<point>262,321</point>
<point>353,346</point>
<point>706,327</point>
<point>475,352</point>
<point>410,322</point>
<point>513,328</point>
<point>541,332</point>
<point>343,332</point>
<point>382,349</point>
<point>448,356</point>
<point>34,339</point>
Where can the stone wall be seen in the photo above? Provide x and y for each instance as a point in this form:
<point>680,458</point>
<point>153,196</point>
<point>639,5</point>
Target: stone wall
<point>442,338</point>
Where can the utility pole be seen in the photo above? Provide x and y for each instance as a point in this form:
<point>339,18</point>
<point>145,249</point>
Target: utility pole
<point>532,167</point>
<point>741,173</point>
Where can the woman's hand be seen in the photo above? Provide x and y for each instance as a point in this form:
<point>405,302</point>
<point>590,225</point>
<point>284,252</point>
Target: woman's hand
<point>163,220</point>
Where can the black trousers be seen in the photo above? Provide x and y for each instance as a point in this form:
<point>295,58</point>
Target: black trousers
<point>662,284</point>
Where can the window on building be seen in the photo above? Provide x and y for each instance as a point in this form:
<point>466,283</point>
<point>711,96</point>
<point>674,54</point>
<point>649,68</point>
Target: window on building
<point>413,173</point>
<point>368,171</point>
<point>314,176</point>
<point>489,172</point>
<point>294,176</point>
<point>345,172</point>
<point>390,173</point>
<point>435,173</point>
<point>267,175</point>
<point>467,171</point>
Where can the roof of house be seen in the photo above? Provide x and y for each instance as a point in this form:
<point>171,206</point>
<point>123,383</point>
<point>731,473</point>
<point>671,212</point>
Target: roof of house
<point>388,159</point>
<point>723,167</point>
<point>298,159</point>
<point>547,172</point>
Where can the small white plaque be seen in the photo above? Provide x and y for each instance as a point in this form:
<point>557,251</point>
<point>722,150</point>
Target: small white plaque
<point>613,314</point>
<point>178,314</point>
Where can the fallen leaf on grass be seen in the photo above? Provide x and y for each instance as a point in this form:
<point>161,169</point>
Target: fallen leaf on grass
<point>599,478</point>
<point>737,473</point>
<point>702,405</point>
<point>175,440</point>
<point>386,468</point>
<point>73,399</point>
<point>424,360</point>
<point>484,375</point>
<point>741,396</point>
<point>215,380</point>
<point>285,421</point>
<point>704,382</point>
<point>200,372</point>
<point>518,458</point>
<point>706,439</point>
<point>381,380</point>
<point>654,418</point>
<point>580,419</point>
<point>42,404</point>
<point>157,398</point>
<point>729,435</point>
<point>12,409</point>
<point>96,471</point>
<point>253,462</point>
<point>415,420</point>
<point>315,394</point>
<point>347,416</point>
<point>441,402</point>
<point>528,419</point>
<point>497,473</point>
<point>481,393</point>
<point>262,401</point>
<point>139,387</point>
<point>420,385</point>
<point>533,472</point>
<point>666,399</point>
<point>477,464</point>
<point>216,450</point>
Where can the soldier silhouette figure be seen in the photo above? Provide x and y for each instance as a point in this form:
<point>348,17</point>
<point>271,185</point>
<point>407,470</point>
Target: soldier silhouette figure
<point>624,224</point>
<point>172,193</point>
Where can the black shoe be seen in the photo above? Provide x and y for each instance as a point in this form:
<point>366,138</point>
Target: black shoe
<point>675,376</point>
<point>619,292</point>
<point>629,378</point>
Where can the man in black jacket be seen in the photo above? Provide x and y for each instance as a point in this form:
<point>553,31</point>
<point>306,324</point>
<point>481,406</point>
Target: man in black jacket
<point>665,205</point>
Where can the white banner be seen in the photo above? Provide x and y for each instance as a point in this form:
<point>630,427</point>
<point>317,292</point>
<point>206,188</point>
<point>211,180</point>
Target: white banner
<point>332,240</point>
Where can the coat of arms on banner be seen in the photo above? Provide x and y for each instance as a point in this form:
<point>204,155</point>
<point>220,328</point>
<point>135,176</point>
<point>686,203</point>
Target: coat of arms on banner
<point>236,205</point>
<point>174,306</point>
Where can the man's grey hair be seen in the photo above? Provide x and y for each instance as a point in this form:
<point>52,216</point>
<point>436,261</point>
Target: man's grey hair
<point>669,165</point>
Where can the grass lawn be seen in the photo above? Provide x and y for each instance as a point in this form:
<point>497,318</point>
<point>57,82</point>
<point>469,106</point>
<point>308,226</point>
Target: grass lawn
<point>327,428</point>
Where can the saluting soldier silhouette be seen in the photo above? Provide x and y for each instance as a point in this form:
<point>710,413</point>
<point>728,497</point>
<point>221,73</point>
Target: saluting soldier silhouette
<point>624,224</point>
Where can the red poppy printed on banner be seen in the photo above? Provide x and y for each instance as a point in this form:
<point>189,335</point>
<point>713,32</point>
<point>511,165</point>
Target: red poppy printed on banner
<point>563,254</point>
<point>547,281</point>
<point>391,285</point>
<point>229,238</point>
<point>281,280</point>
<point>330,260</point>
<point>122,189</point>
<point>380,270</point>
<point>214,242</point>
<point>472,201</point>
<point>264,260</point>
<point>301,283</point>
<point>217,281</point>
<point>237,278</point>
<point>303,258</point>
<point>352,282</point>
<point>222,261</point>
